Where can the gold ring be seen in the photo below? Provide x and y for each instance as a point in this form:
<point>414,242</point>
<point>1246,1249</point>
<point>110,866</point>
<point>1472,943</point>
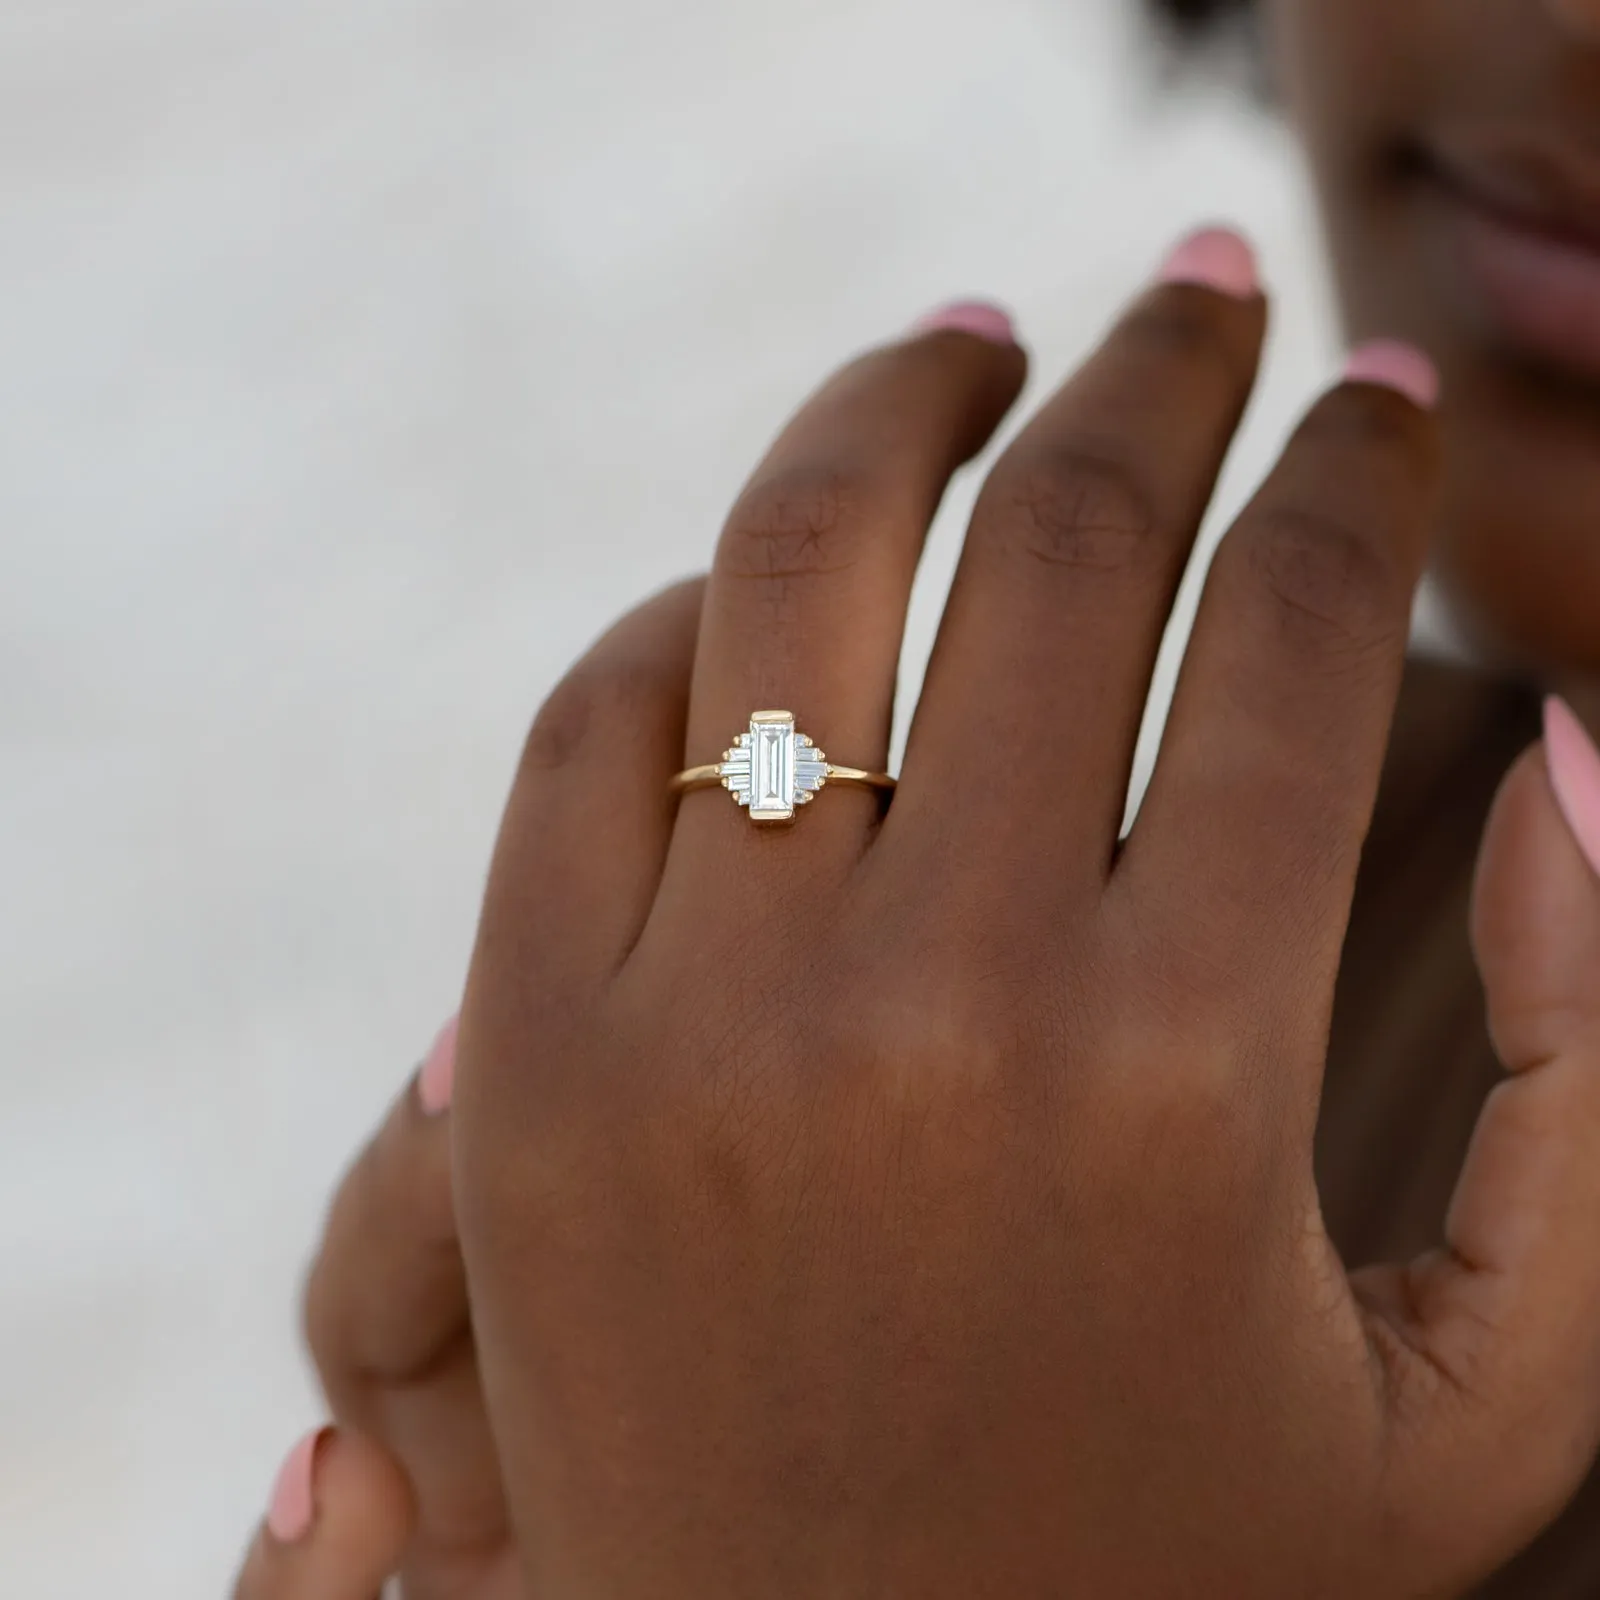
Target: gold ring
<point>773,770</point>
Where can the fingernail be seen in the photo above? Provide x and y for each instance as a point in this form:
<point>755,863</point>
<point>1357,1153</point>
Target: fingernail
<point>1214,258</point>
<point>1398,366</point>
<point>980,317</point>
<point>436,1079</point>
<point>292,1507</point>
<point>1574,775</point>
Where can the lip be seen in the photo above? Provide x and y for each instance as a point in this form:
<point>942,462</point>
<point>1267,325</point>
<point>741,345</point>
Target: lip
<point>1523,241</point>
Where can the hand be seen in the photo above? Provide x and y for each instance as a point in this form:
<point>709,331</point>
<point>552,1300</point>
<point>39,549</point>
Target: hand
<point>922,1205</point>
<point>343,1510</point>
<point>389,1327</point>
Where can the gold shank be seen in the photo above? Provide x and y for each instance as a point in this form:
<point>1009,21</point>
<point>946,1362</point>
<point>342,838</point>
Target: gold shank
<point>710,777</point>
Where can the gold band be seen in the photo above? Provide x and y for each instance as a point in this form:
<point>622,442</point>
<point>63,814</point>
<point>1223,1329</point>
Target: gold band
<point>711,778</point>
<point>773,770</point>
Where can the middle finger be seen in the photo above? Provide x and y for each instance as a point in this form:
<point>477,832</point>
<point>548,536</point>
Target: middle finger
<point>1033,697</point>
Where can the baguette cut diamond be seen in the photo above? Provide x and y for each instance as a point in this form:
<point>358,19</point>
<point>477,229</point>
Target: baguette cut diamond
<point>773,770</point>
<point>772,795</point>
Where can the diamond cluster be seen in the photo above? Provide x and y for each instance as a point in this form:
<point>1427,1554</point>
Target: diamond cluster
<point>772,769</point>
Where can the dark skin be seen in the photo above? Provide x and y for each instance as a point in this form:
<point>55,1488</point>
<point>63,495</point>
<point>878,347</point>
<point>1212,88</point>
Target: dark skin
<point>1379,91</point>
<point>1052,1311</point>
<point>1369,86</point>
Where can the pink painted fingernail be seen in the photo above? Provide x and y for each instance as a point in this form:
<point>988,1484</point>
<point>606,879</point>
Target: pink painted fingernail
<point>1574,775</point>
<point>980,317</point>
<point>1214,258</point>
<point>1398,366</point>
<point>293,1506</point>
<point>436,1080</point>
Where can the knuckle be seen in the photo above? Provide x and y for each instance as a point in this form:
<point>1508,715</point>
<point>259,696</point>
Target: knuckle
<point>1198,1131</point>
<point>1082,508</point>
<point>958,1062</point>
<point>948,1048</point>
<point>1328,588</point>
<point>1179,1069</point>
<point>590,701</point>
<point>797,524</point>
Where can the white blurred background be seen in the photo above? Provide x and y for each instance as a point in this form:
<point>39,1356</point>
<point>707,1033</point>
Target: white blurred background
<point>359,359</point>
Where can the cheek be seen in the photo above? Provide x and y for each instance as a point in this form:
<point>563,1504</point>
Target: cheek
<point>1335,71</point>
<point>1323,59</point>
<point>1519,538</point>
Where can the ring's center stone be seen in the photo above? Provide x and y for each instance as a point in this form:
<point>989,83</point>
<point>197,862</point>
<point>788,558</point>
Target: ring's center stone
<point>773,769</point>
<point>772,766</point>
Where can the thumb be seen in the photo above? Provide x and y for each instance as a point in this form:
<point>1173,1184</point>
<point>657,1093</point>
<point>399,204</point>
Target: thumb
<point>1536,911</point>
<point>1508,1317</point>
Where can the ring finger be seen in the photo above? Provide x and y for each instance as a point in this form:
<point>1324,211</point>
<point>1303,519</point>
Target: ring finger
<point>806,601</point>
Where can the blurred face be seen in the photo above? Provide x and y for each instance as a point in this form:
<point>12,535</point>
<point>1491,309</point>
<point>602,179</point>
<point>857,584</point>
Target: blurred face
<point>1455,146</point>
